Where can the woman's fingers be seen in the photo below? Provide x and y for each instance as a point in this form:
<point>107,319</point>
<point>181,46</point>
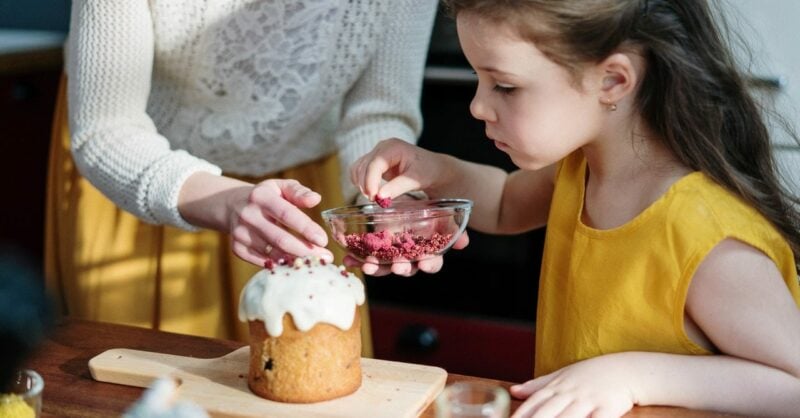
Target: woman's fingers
<point>275,235</point>
<point>247,253</point>
<point>276,206</point>
<point>297,194</point>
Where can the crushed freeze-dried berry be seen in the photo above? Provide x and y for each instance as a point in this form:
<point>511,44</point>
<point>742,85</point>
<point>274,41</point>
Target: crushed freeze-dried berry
<point>383,202</point>
<point>386,246</point>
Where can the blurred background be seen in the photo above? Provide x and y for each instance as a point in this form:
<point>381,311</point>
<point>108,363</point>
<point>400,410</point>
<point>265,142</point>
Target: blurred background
<point>477,315</point>
<point>31,35</point>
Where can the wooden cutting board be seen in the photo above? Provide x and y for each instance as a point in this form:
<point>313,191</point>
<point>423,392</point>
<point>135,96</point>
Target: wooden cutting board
<point>388,389</point>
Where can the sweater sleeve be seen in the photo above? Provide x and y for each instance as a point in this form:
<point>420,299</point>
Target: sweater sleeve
<point>384,103</point>
<point>114,142</point>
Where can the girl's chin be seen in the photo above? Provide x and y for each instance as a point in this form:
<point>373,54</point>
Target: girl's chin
<point>529,164</point>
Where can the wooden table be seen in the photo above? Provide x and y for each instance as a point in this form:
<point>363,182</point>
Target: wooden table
<point>70,390</point>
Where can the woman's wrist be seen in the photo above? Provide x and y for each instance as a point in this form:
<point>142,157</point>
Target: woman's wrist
<point>207,200</point>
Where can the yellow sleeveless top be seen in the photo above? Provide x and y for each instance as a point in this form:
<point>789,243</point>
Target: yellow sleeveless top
<point>624,289</point>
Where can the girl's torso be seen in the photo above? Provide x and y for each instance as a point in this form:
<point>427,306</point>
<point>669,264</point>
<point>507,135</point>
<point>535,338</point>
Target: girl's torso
<point>624,288</point>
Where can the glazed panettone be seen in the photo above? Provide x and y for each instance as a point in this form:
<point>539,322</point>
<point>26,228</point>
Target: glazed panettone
<point>305,340</point>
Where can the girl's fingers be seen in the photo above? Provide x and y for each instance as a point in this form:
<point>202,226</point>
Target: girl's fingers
<point>404,269</point>
<point>609,412</point>
<point>368,268</point>
<point>397,186</point>
<point>526,389</point>
<point>374,175</point>
<point>577,410</point>
<point>553,406</point>
<point>462,241</point>
<point>528,408</point>
<point>357,173</point>
<point>431,265</point>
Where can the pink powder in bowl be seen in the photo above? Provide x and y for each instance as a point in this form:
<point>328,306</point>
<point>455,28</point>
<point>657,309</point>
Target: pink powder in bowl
<point>387,246</point>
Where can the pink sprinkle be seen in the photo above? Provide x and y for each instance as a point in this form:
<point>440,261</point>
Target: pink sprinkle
<point>269,264</point>
<point>383,202</point>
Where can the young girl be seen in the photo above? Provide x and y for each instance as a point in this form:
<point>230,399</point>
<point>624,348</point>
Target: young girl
<point>670,267</point>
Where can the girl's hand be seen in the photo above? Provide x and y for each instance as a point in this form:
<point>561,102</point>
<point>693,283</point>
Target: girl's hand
<point>405,168</point>
<point>428,265</point>
<point>265,221</point>
<point>601,387</point>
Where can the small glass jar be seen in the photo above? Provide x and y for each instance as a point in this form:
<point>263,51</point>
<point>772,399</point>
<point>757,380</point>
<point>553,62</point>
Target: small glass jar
<point>24,396</point>
<point>473,400</point>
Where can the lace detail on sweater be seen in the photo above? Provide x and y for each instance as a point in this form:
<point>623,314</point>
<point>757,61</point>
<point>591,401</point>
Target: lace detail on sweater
<point>164,88</point>
<point>266,55</point>
<point>269,70</point>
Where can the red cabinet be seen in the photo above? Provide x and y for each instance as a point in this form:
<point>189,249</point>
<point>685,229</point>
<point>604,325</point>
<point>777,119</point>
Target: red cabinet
<point>459,344</point>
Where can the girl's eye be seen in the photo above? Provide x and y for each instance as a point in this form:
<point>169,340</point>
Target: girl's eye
<point>503,89</point>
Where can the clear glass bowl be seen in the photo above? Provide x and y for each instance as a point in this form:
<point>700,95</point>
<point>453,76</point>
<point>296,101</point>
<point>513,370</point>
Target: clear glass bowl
<point>409,230</point>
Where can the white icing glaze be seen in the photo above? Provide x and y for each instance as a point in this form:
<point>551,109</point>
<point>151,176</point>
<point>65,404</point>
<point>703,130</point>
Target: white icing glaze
<point>309,290</point>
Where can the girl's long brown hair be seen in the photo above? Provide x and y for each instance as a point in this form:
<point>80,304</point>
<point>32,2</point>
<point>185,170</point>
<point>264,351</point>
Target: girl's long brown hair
<point>693,95</point>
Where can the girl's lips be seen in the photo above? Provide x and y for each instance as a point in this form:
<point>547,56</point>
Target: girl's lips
<point>498,144</point>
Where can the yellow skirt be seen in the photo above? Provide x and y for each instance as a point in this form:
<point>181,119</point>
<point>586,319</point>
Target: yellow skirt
<point>104,264</point>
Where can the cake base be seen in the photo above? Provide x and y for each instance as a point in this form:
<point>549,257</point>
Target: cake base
<point>320,364</point>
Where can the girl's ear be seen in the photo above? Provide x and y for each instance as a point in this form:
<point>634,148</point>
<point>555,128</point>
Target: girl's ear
<point>619,75</point>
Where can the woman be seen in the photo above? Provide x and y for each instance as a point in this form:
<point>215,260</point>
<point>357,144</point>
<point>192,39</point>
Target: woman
<point>211,123</point>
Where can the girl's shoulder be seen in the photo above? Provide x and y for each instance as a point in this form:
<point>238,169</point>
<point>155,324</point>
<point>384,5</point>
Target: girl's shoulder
<point>704,211</point>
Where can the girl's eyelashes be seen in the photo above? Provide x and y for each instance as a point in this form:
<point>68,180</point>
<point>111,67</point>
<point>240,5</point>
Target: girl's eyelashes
<point>503,89</point>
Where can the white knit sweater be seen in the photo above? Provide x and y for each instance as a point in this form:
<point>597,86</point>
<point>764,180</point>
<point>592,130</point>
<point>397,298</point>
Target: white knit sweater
<point>161,89</point>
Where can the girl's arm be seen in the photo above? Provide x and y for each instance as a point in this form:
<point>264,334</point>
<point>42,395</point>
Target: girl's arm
<point>739,300</point>
<point>741,304</point>
<point>114,142</point>
<point>504,203</point>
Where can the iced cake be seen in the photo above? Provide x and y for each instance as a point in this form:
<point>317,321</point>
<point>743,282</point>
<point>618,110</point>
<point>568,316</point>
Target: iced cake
<point>305,341</point>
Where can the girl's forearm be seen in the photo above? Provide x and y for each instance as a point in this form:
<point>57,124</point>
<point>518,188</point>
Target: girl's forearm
<point>716,382</point>
<point>483,184</point>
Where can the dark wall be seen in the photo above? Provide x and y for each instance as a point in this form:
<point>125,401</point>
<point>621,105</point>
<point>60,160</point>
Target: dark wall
<point>52,15</point>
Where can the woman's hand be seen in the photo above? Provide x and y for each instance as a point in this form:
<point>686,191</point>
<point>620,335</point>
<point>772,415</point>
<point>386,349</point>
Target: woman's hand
<point>600,387</point>
<point>268,223</point>
<point>265,220</point>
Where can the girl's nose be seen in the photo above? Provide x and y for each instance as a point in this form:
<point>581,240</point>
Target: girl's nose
<point>480,109</point>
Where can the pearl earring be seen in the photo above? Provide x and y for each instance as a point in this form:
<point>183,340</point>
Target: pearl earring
<point>612,107</point>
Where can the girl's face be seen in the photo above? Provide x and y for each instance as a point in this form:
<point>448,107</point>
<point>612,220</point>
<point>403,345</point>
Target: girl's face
<point>533,110</point>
